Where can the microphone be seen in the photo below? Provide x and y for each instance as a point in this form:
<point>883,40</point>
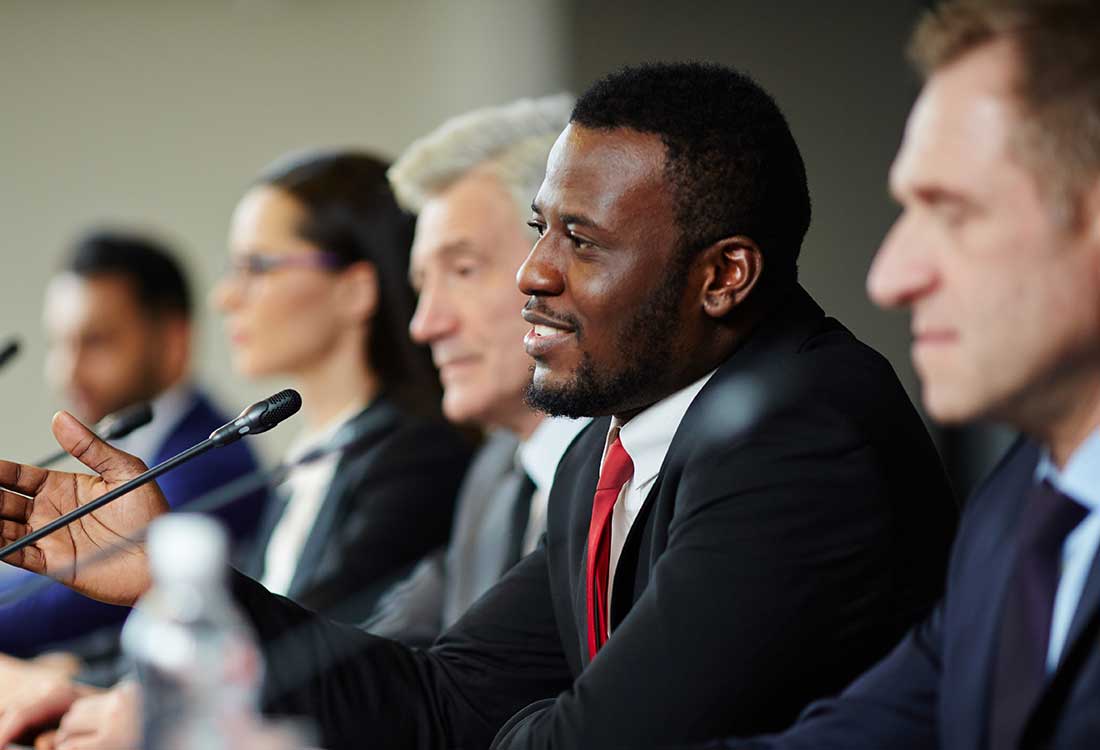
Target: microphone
<point>9,350</point>
<point>259,417</point>
<point>112,427</point>
<point>124,421</point>
<point>347,437</point>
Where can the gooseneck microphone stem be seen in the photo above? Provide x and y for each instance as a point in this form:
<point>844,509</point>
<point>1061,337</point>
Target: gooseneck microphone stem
<point>259,417</point>
<point>143,478</point>
<point>112,427</point>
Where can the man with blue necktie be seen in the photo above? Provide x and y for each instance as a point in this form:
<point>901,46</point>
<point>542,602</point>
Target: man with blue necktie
<point>997,256</point>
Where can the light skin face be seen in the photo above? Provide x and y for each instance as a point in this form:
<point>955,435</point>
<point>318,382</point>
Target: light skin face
<point>104,351</point>
<point>617,322</point>
<point>1005,301</point>
<point>289,320</point>
<point>469,241</point>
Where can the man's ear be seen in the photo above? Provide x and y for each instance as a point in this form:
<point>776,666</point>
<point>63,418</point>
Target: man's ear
<point>174,335</point>
<point>358,291</point>
<point>732,268</point>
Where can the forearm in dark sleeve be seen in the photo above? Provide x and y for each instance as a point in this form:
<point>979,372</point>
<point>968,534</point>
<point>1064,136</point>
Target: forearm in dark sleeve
<point>365,691</point>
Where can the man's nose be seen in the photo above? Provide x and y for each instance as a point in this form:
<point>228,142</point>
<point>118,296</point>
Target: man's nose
<point>433,318</point>
<point>541,273</point>
<point>903,268</point>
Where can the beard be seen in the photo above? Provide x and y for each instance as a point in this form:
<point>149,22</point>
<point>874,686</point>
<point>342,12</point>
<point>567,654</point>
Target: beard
<point>646,354</point>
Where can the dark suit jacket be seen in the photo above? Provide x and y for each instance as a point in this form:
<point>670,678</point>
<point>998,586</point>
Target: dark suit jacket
<point>764,569</point>
<point>56,615</point>
<point>933,690</point>
<point>390,502</point>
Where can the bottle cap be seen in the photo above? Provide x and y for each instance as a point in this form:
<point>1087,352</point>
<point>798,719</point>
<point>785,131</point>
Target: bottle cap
<point>187,547</point>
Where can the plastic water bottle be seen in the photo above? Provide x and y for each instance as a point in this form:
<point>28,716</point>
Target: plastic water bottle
<point>196,657</point>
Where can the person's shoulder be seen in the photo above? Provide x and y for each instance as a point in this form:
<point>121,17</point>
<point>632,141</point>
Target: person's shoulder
<point>399,435</point>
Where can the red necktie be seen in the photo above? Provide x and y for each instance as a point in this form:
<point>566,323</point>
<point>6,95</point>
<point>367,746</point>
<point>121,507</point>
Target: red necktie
<point>617,470</point>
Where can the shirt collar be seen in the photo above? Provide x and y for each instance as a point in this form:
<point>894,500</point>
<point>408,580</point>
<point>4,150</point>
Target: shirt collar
<point>540,453</point>
<point>308,439</point>
<point>648,435</point>
<point>1080,479</point>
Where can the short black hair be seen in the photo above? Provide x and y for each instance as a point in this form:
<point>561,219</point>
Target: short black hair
<point>732,162</point>
<point>149,265</point>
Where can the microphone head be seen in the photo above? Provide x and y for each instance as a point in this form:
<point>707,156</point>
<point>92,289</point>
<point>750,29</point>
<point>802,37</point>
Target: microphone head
<point>259,417</point>
<point>274,409</point>
<point>8,350</point>
<point>123,422</point>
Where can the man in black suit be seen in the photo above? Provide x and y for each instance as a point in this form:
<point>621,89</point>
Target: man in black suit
<point>769,515</point>
<point>997,254</point>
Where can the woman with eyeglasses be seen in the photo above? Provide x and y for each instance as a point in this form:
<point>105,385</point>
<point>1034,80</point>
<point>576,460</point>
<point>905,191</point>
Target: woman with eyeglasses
<point>317,291</point>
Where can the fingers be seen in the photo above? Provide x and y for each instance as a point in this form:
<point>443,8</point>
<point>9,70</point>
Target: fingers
<point>86,742</point>
<point>85,446</point>
<point>21,477</point>
<point>107,720</point>
<point>14,507</point>
<point>29,558</point>
<point>9,532</point>
<point>46,741</point>
<point>44,701</point>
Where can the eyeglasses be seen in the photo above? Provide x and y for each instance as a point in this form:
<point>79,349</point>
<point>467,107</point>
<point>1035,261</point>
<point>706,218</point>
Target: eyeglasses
<point>250,265</point>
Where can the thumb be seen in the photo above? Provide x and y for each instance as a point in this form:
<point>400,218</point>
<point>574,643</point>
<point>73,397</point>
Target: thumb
<point>113,465</point>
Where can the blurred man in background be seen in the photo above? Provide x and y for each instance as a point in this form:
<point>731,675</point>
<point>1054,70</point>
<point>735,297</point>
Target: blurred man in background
<point>470,181</point>
<point>118,325</point>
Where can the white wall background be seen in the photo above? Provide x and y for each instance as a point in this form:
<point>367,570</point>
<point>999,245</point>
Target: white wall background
<point>159,113</point>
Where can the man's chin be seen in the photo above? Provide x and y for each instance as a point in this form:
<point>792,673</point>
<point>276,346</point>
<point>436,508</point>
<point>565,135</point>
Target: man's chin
<point>947,407</point>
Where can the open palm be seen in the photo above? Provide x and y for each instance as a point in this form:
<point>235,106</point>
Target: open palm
<point>94,555</point>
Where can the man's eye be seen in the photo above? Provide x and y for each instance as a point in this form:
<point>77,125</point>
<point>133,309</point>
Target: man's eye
<point>539,228</point>
<point>580,244</point>
<point>465,270</point>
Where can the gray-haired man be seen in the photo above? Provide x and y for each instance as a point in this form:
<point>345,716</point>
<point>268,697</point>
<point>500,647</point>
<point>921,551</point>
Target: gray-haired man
<point>471,182</point>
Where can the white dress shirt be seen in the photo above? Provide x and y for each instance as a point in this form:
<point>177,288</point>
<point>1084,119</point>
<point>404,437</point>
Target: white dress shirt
<point>646,439</point>
<point>1080,479</point>
<point>305,487</point>
<point>539,455</point>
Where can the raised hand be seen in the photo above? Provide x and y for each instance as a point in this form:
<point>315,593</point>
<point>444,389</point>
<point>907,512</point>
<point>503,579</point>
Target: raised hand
<point>74,555</point>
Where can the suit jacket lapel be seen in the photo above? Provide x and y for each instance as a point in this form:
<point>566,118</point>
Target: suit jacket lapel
<point>372,423</point>
<point>984,603</point>
<point>794,319</point>
<point>976,599</point>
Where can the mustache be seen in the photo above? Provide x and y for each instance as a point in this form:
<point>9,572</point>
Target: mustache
<point>536,305</point>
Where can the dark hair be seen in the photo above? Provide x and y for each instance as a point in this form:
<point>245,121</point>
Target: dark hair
<point>730,157</point>
<point>1057,79</point>
<point>352,214</point>
<point>157,279</point>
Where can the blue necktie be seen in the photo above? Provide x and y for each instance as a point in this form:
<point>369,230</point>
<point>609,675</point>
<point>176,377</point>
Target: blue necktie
<point>1020,667</point>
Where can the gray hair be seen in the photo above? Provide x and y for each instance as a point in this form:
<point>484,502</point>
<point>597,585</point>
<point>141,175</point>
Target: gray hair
<point>511,142</point>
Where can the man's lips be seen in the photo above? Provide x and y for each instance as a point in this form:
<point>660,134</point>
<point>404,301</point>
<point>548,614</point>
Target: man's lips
<point>454,364</point>
<point>932,338</point>
<point>545,334</point>
<point>545,323</point>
